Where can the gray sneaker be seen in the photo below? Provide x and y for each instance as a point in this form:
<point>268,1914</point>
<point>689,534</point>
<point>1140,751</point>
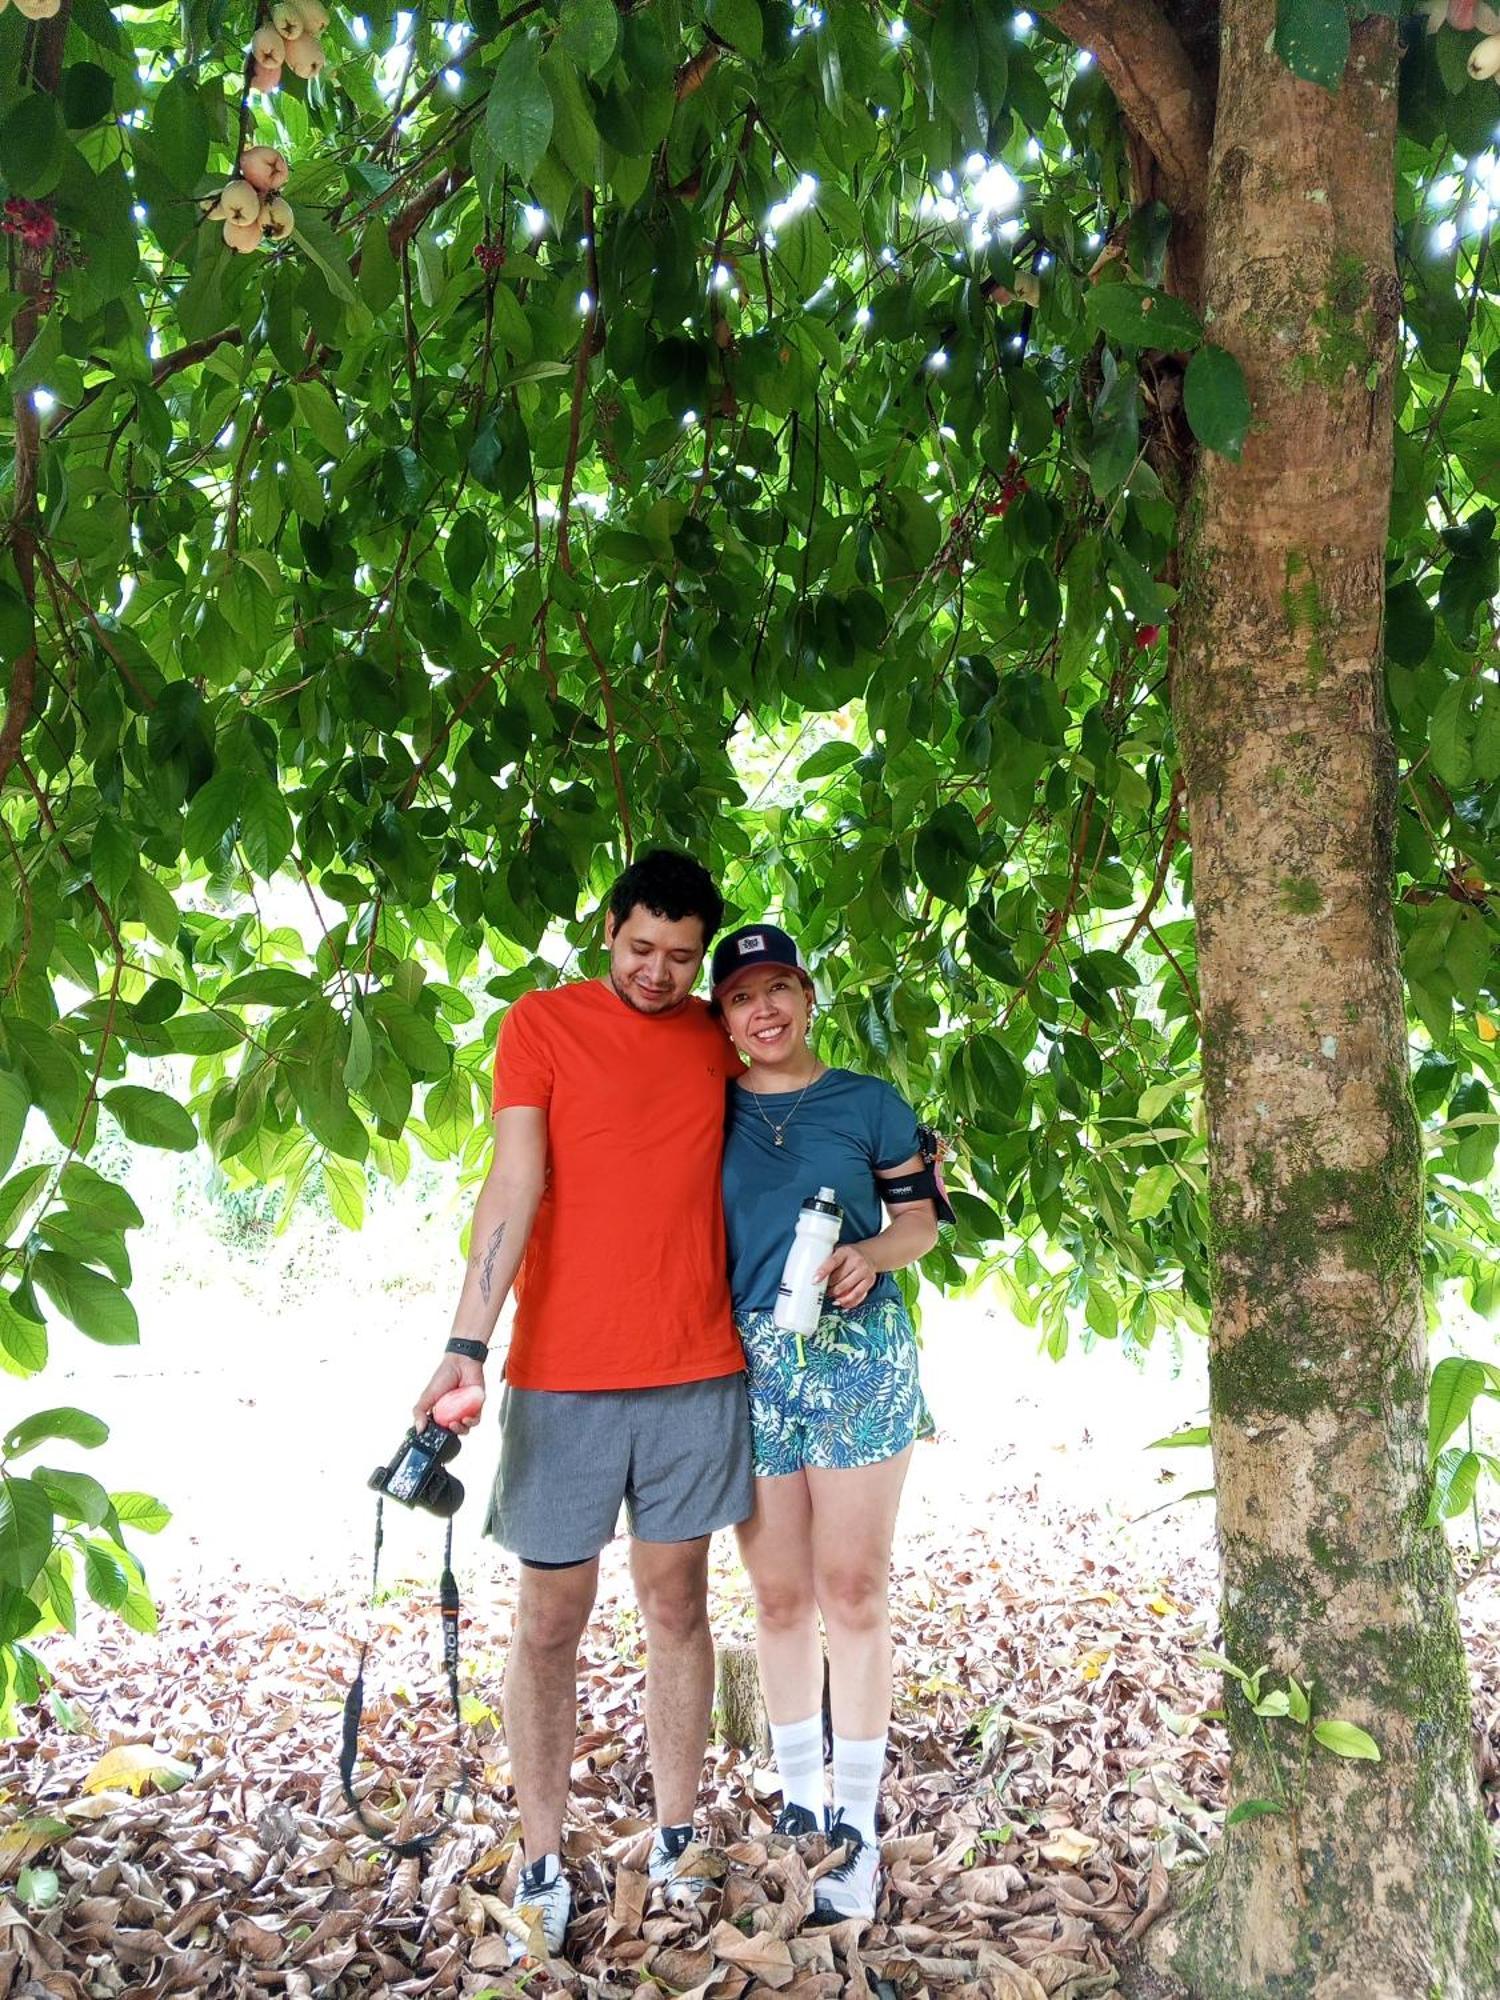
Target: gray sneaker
<point>668,1845</point>
<point>545,1892</point>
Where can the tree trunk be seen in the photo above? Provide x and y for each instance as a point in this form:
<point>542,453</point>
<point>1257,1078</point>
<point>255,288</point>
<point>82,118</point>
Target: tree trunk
<point>739,1711</point>
<point>1375,1881</point>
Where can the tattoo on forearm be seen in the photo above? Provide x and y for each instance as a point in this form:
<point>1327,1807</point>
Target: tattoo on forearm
<point>487,1271</point>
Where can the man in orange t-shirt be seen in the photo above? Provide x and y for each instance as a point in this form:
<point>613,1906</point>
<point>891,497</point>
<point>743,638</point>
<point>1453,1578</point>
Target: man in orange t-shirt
<point>624,1378</point>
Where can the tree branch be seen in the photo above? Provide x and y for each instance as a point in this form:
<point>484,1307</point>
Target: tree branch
<point>29,278</point>
<point>1155,84</point>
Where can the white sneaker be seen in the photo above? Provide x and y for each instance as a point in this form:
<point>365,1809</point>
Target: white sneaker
<point>546,1893</point>
<point>668,1845</point>
<point>853,1887</point>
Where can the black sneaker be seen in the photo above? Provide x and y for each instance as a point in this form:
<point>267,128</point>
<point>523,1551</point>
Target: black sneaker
<point>853,1887</point>
<point>796,1821</point>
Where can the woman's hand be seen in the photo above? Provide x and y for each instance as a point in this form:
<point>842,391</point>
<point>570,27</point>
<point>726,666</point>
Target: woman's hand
<point>454,1371</point>
<point>850,1274</point>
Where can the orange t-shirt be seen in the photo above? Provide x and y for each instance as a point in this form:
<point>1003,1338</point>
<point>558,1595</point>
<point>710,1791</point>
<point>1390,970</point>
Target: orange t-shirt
<point>624,1283</point>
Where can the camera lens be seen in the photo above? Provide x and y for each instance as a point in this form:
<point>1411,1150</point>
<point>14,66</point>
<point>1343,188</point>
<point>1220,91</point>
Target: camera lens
<point>443,1494</point>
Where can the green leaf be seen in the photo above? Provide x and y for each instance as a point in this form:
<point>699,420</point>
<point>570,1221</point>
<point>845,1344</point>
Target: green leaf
<point>947,847</point>
<point>518,116</point>
<point>344,1185</point>
<point>113,859</point>
<point>215,808</point>
<point>467,549</point>
<point>379,273</point>
<point>954,54</point>
<point>1456,1384</point>
<point>589,31</point>
<point>739,23</point>
<point>1137,316</point>
<point>1217,400</point>
<point>23,1341</point>
<point>95,1304</point>
<point>361,1053</point>
<point>413,1037</point>
<point>15,1103</point>
<point>825,760</point>
<point>179,131</point>
<point>325,250</point>
<point>65,1422</point>
<point>141,1511</point>
<point>33,144</point>
<point>1252,1809</point>
<point>265,827</point>
<point>1346,1739</point>
<point>151,1118</point>
<point>25,1531</point>
<point>105,1576</point>
<point>1195,1434</point>
<point>1455,1477</point>
<point>74,1495</point>
<point>1151,1193</point>
<point>1312,39</point>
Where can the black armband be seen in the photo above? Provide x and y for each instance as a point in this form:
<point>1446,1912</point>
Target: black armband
<point>922,1184</point>
<point>471,1350</point>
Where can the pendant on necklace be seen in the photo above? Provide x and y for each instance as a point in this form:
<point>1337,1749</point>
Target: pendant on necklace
<point>778,1138</point>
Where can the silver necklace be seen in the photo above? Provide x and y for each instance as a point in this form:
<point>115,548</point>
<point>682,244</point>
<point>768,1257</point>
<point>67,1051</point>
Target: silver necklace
<point>778,1129</point>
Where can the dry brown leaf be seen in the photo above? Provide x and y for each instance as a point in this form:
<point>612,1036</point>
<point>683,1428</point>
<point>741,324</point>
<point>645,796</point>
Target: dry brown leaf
<point>766,1958</point>
<point>252,1940</point>
<point>1068,1847</point>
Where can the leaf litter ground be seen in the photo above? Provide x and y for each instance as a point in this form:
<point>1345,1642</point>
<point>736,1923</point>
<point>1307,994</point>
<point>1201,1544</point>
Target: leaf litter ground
<point>1050,1769</point>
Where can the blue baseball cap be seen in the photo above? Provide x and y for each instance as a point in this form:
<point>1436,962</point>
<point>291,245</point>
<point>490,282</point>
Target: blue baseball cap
<point>752,945</point>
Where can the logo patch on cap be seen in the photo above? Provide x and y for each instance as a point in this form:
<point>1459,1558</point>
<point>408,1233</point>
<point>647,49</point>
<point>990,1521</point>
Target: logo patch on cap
<point>747,945</point>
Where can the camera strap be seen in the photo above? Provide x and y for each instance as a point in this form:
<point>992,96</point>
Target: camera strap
<point>450,1605</point>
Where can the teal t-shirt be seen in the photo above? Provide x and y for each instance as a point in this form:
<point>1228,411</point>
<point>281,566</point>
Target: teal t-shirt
<point>846,1129</point>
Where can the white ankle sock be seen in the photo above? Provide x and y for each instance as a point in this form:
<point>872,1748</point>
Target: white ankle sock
<point>799,1762</point>
<point>858,1766</point>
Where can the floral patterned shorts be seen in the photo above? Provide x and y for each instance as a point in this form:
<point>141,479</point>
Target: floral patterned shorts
<point>845,1396</point>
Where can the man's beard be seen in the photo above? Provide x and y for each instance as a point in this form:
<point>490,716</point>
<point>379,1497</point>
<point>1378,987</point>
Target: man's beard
<point>666,1007</point>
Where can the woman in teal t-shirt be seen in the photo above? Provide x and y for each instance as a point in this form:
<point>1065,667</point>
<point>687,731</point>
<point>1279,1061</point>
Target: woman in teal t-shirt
<point>834,1416</point>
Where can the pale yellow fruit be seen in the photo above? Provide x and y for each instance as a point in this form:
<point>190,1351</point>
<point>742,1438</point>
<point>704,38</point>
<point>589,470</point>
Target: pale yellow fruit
<point>277,219</point>
<point>314,15</point>
<point>243,236</point>
<point>239,204</point>
<point>306,57</point>
<point>286,18</point>
<point>266,76</point>
<point>264,168</point>
<point>39,10</point>
<point>1484,57</point>
<point>1486,18</point>
<point>267,46</point>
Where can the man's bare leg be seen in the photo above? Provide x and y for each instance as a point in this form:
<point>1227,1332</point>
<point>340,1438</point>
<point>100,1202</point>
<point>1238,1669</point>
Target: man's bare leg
<point>671,1587</point>
<point>541,1696</point>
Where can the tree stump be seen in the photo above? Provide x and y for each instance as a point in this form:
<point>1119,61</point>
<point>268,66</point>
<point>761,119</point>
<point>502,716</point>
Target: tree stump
<point>739,1712</point>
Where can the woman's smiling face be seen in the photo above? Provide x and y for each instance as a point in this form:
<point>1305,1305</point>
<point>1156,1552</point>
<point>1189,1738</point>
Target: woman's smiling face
<point>766,1010</point>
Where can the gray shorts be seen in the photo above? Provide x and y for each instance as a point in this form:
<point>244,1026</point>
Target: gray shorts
<point>677,1457</point>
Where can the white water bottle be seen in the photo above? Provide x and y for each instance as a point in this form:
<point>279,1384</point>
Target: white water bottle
<point>799,1300</point>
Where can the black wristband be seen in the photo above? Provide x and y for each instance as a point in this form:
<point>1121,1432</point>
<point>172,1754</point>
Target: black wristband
<point>471,1350</point>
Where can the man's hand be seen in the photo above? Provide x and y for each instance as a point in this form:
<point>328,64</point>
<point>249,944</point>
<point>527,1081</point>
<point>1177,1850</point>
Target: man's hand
<point>454,1371</point>
<point>850,1276</point>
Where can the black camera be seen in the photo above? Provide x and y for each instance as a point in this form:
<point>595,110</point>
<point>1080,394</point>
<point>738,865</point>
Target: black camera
<point>417,1475</point>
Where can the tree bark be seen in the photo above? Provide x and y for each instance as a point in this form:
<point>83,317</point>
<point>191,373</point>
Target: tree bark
<point>739,1711</point>
<point>1376,1881</point>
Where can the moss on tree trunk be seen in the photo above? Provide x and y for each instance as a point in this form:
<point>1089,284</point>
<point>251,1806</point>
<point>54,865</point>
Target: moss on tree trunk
<point>1379,1884</point>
